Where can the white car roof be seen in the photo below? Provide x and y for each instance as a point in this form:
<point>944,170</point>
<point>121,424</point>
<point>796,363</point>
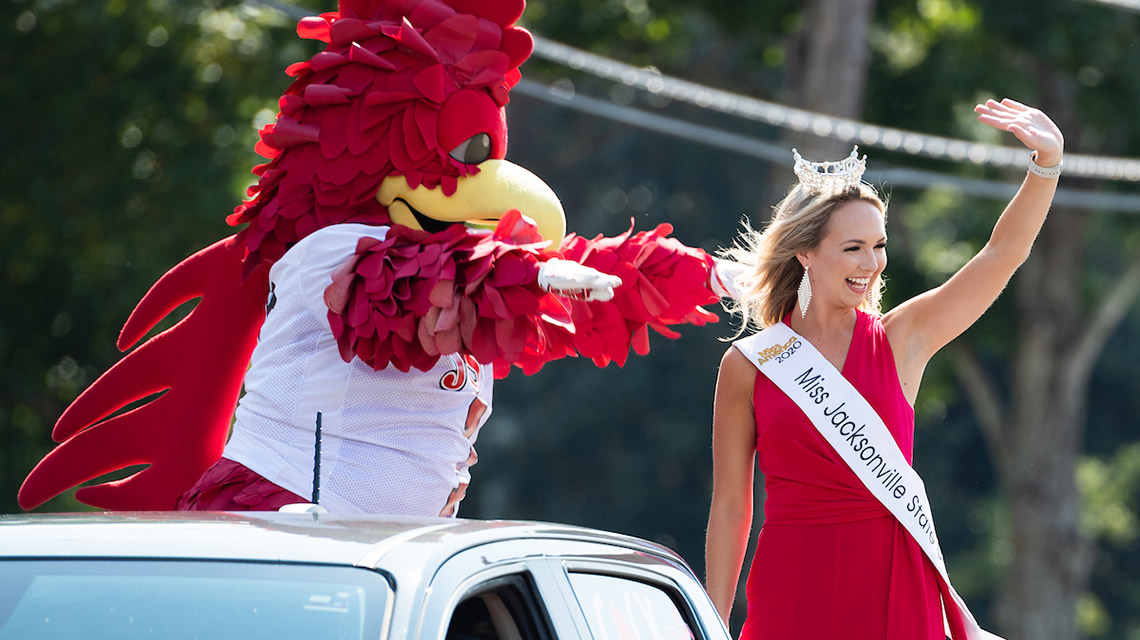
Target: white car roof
<point>366,541</point>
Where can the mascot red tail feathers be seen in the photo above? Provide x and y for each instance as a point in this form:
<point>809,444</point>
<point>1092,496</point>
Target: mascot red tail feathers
<point>399,122</point>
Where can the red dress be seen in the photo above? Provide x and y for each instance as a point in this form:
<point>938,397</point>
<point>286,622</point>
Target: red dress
<point>831,561</point>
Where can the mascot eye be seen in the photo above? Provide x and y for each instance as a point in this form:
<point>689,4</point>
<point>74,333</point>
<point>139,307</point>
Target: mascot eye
<point>473,150</point>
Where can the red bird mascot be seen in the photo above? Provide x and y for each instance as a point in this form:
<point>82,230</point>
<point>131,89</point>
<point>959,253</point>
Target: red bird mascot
<point>392,265</point>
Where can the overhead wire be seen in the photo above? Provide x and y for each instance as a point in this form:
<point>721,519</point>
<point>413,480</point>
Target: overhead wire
<point>790,118</point>
<point>823,125</point>
<point>1126,5</point>
<point>877,173</point>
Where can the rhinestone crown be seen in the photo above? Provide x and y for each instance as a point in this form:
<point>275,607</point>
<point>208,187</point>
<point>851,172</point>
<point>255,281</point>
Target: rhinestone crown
<point>821,176</point>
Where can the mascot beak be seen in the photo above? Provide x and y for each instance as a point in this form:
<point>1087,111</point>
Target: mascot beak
<point>478,202</point>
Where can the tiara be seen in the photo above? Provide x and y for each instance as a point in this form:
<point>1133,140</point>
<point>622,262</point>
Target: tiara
<point>841,174</point>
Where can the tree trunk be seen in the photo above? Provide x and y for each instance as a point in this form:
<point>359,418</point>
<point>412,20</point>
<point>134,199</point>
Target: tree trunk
<point>827,68</point>
<point>1041,438</point>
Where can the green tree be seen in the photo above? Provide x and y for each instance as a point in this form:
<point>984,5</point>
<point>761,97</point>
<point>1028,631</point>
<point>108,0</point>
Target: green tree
<point>129,136</point>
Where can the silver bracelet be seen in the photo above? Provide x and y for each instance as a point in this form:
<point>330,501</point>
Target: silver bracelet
<point>1044,172</point>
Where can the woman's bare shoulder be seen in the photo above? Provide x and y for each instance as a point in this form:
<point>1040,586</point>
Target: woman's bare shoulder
<point>898,324</point>
<point>736,368</point>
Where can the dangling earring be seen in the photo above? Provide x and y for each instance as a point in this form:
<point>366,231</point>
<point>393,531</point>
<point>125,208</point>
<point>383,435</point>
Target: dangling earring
<point>804,293</point>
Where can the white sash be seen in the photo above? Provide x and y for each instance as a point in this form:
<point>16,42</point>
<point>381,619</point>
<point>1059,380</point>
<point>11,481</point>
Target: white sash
<point>852,427</point>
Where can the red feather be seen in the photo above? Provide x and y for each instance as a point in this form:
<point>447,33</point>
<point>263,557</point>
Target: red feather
<point>175,364</point>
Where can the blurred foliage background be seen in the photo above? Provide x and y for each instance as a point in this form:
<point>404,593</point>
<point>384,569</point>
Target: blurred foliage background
<point>129,131</point>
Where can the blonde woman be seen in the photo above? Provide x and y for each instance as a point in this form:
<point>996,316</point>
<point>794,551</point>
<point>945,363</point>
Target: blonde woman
<point>823,400</point>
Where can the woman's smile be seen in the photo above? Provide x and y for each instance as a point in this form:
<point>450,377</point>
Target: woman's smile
<point>859,285</point>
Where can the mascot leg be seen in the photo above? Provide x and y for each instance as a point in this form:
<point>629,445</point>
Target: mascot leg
<point>231,486</point>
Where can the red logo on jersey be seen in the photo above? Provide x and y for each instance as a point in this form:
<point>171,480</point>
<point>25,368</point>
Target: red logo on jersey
<point>466,368</point>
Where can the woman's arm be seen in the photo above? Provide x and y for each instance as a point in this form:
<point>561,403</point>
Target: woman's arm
<point>924,324</point>
<point>734,447</point>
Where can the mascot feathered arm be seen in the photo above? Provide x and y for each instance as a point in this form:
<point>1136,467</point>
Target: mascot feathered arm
<point>411,297</point>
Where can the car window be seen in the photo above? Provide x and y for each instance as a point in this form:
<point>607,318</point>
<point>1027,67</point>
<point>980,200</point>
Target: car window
<point>170,599</point>
<point>500,609</point>
<point>617,608</point>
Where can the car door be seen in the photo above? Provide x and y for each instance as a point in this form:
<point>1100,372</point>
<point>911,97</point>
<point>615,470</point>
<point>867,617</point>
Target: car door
<point>618,593</point>
<point>564,589</point>
<point>497,591</point>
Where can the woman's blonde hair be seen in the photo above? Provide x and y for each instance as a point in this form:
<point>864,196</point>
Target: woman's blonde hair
<point>768,273</point>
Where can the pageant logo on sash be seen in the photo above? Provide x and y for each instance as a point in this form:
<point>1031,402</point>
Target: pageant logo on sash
<point>779,351</point>
<point>856,432</point>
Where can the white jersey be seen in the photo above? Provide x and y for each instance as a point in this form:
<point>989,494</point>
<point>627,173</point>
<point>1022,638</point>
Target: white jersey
<point>391,442</point>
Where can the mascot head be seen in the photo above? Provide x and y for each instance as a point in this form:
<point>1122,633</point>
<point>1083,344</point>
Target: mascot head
<point>400,120</point>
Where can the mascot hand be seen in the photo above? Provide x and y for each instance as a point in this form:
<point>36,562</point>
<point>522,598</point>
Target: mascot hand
<point>576,281</point>
<point>724,278</point>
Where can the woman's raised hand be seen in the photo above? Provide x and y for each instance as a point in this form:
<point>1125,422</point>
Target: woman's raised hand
<point>1031,126</point>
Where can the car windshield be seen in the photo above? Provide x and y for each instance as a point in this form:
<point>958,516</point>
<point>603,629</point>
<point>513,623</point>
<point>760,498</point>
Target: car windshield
<point>47,598</point>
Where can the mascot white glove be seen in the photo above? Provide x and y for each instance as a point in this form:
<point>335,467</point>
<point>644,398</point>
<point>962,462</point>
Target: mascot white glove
<point>724,278</point>
<point>577,281</point>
